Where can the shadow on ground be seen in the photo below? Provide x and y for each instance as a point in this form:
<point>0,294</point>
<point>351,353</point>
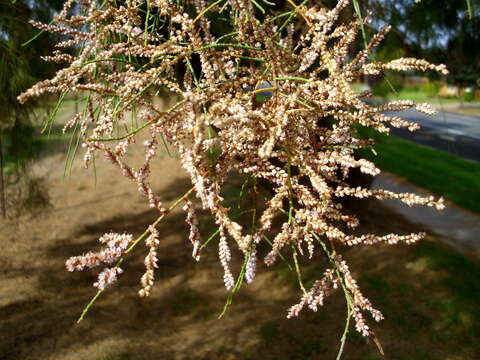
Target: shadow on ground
<point>427,294</point>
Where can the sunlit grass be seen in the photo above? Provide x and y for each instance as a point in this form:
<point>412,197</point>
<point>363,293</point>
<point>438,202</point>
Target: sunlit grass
<point>418,95</point>
<point>442,173</point>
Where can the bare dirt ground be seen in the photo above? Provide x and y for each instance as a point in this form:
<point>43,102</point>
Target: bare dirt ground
<point>425,291</point>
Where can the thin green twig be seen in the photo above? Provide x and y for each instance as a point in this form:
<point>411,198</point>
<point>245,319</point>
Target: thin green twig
<point>215,233</point>
<point>206,10</point>
<point>470,9</point>
<point>356,6</point>
<point>294,78</point>
<point>358,12</point>
<point>89,305</point>
<point>49,122</point>
<point>343,339</point>
<point>226,35</point>
<point>238,46</point>
<point>258,6</point>
<point>237,286</point>
<point>33,38</point>
<point>141,127</point>
<point>190,67</point>
<point>348,299</point>
<point>297,269</point>
<point>279,254</point>
<point>131,247</point>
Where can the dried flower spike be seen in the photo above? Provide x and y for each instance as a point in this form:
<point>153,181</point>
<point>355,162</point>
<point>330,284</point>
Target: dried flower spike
<point>271,100</point>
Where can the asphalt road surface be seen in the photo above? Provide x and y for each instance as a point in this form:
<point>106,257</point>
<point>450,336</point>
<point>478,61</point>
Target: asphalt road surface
<point>454,133</point>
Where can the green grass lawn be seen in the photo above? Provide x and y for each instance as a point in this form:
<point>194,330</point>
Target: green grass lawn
<point>447,175</point>
<point>418,95</point>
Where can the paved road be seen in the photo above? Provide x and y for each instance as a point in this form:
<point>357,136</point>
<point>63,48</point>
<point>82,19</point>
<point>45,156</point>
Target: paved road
<point>456,226</point>
<point>457,134</point>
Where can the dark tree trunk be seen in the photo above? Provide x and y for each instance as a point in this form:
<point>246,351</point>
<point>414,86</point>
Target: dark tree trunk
<point>3,207</point>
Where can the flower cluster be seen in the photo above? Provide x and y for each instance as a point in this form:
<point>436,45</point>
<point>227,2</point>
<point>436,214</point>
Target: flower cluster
<point>116,244</point>
<point>150,263</point>
<point>316,295</point>
<point>194,236</point>
<point>270,99</point>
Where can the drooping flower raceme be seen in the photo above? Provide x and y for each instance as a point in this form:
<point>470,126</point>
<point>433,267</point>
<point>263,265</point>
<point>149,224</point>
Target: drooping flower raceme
<point>267,95</point>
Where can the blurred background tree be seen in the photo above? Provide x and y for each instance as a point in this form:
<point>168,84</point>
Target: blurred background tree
<point>19,69</point>
<point>441,31</point>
